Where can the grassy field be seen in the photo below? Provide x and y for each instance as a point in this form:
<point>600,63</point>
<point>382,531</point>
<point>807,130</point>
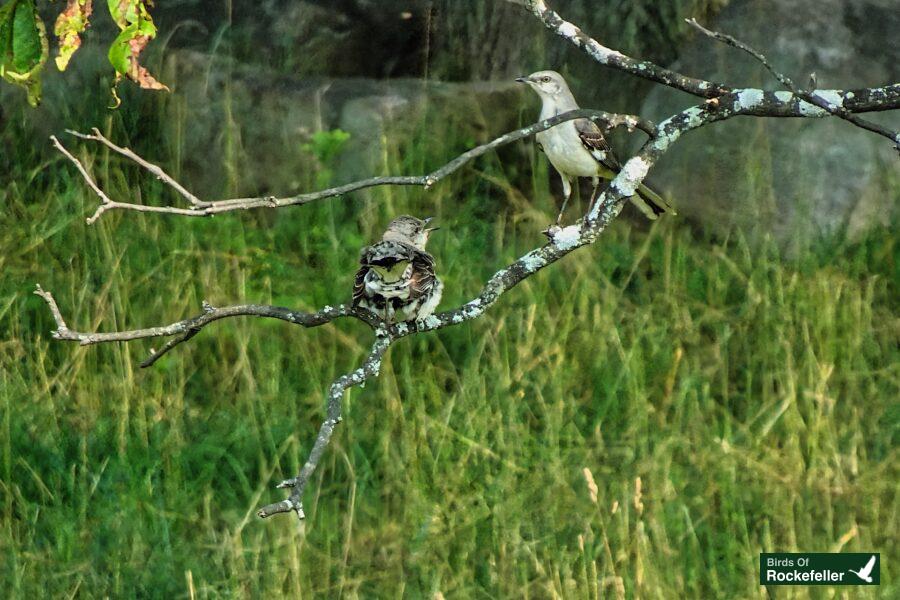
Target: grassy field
<point>640,420</point>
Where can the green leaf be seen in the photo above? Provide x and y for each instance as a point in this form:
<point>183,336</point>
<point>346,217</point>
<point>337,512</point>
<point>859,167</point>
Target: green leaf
<point>146,27</point>
<point>6,12</point>
<point>27,39</point>
<point>138,29</point>
<point>120,50</point>
<point>23,47</point>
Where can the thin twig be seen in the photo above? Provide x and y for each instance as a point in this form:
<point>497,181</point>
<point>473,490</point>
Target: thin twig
<point>205,209</point>
<point>613,58</point>
<point>155,355</point>
<point>187,328</point>
<point>54,310</point>
<point>812,97</point>
<point>368,369</point>
<point>131,155</point>
<point>857,100</point>
<point>105,202</point>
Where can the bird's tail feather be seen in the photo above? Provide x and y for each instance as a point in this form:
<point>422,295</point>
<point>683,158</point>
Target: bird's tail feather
<point>650,203</point>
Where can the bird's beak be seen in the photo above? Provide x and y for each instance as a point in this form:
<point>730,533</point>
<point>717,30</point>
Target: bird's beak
<point>523,79</point>
<point>429,220</point>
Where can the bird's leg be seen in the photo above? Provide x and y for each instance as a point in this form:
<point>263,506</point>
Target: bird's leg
<point>567,193</point>
<point>596,182</point>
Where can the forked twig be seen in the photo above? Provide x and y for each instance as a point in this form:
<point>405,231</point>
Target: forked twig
<point>155,169</point>
<point>813,97</point>
<point>201,208</point>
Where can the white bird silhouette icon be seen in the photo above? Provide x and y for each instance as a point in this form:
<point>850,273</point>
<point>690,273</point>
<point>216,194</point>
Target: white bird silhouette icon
<point>864,573</point>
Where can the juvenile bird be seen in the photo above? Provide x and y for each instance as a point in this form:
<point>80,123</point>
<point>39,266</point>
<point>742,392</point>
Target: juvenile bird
<point>577,148</point>
<point>396,279</point>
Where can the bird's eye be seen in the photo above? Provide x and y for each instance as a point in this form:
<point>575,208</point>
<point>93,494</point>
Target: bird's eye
<point>545,79</point>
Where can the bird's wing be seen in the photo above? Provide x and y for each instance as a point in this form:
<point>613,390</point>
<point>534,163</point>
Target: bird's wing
<point>386,252</point>
<point>359,283</point>
<point>422,280</point>
<point>594,142</point>
<point>866,570</point>
<point>359,286</point>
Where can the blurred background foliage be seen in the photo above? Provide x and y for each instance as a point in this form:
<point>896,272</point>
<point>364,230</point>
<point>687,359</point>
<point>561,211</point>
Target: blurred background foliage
<point>725,394</point>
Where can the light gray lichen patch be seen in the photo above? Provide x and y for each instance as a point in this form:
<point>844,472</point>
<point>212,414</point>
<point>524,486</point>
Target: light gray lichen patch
<point>832,97</point>
<point>567,238</point>
<point>811,110</point>
<point>693,117</point>
<point>783,96</point>
<point>376,369</point>
<point>469,311</point>
<point>749,98</point>
<point>532,262</point>
<point>431,321</point>
<point>402,328</point>
<point>665,137</point>
<point>602,53</point>
<point>630,178</point>
<point>568,30</point>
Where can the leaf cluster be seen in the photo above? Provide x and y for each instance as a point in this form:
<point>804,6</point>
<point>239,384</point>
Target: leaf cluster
<point>24,48</point>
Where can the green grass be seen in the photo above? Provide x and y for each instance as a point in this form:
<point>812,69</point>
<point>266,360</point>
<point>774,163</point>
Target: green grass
<point>724,398</point>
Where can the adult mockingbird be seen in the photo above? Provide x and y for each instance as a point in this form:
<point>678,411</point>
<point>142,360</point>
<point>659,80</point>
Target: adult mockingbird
<point>577,148</point>
<point>396,279</point>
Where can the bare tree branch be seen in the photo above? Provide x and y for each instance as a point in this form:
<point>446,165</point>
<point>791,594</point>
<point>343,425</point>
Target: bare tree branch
<point>105,202</point>
<point>777,104</point>
<point>202,208</point>
<point>368,369</point>
<point>155,355</point>
<point>813,97</point>
<point>187,328</point>
<point>104,199</point>
<point>613,58</point>
<point>846,101</point>
<point>128,153</point>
